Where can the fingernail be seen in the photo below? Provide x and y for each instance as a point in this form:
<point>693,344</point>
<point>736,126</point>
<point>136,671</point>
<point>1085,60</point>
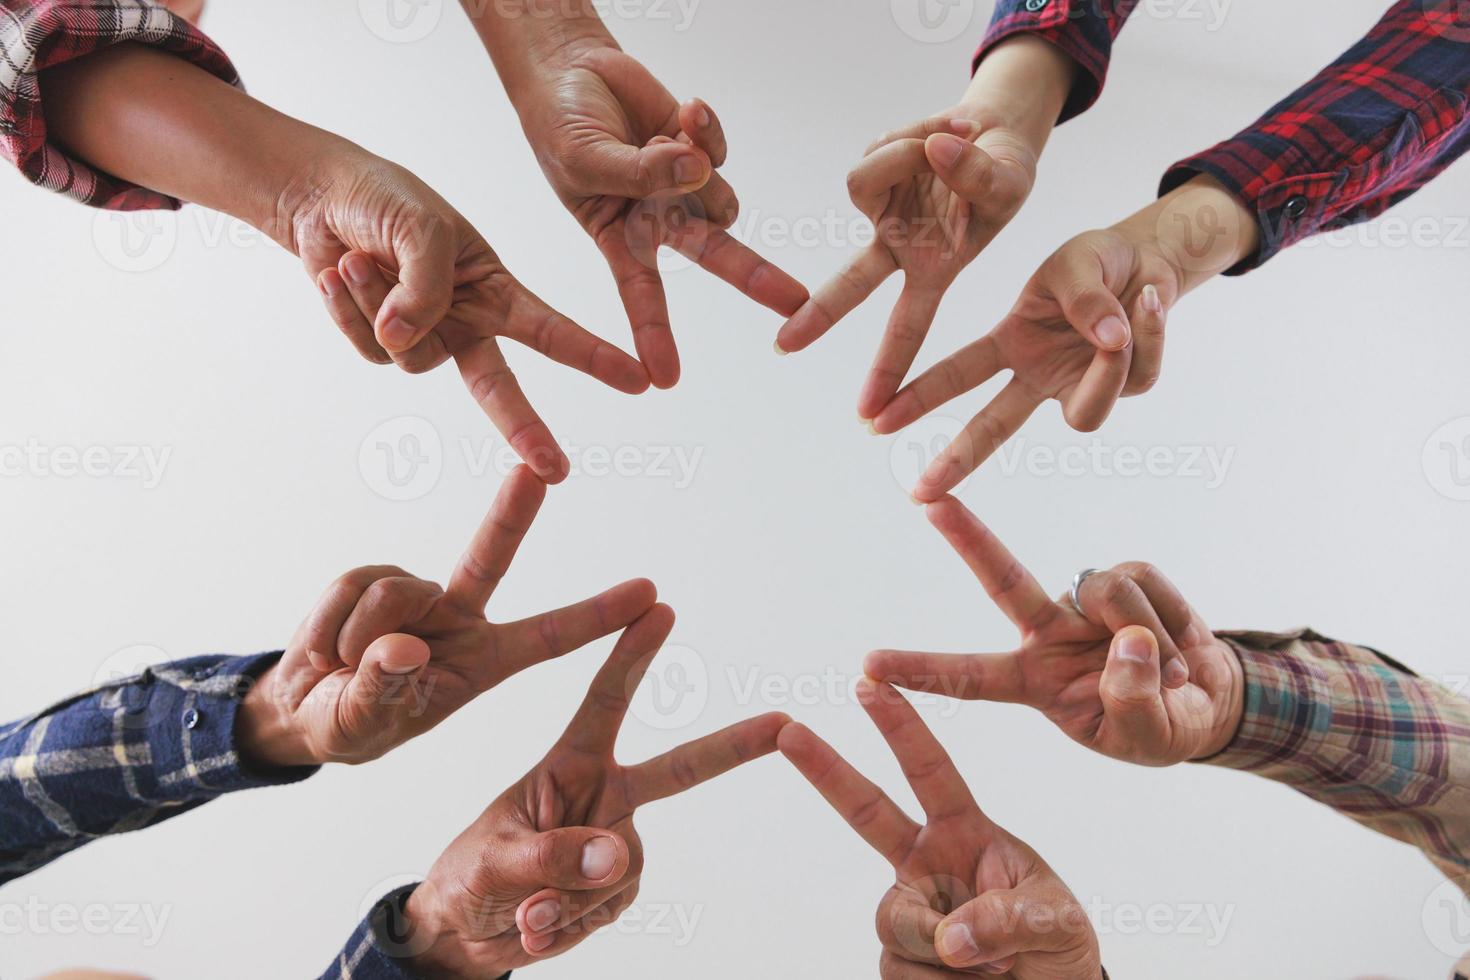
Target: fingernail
<point>688,169</point>
<point>946,149</point>
<point>598,857</point>
<point>704,118</point>
<point>1135,648</point>
<point>956,942</point>
<point>399,669</point>
<point>540,916</point>
<point>396,333</point>
<point>964,125</point>
<point>1113,333</point>
<point>538,943</point>
<point>1151,301</point>
<point>1176,672</point>
<point>873,427</point>
<point>779,349</point>
<point>357,269</point>
<point>329,283</point>
<point>1191,637</point>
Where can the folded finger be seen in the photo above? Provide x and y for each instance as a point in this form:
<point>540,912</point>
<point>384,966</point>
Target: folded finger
<point>1091,401</point>
<point>320,633</point>
<point>348,318</point>
<point>386,606</point>
<point>1114,600</point>
<point>1149,321</point>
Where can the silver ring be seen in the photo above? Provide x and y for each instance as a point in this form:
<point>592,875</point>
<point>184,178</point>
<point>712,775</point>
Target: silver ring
<point>1077,581</point>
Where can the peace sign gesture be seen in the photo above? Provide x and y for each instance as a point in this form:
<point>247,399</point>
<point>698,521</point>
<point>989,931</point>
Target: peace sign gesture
<point>386,656</point>
<point>1095,671</point>
<point>556,856</point>
<point>968,896</point>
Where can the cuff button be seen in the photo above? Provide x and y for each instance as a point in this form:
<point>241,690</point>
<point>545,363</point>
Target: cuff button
<point>1035,6</point>
<point>1296,206</point>
<point>191,719</point>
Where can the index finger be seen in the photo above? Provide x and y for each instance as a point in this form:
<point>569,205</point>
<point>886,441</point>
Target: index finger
<point>594,728</point>
<point>865,807</point>
<point>838,297</point>
<point>494,545</point>
<point>705,758</point>
<point>496,390</point>
<point>1010,586</point>
<point>937,784</point>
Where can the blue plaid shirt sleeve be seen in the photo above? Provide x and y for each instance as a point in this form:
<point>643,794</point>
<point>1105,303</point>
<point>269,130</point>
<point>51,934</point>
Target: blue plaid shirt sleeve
<point>124,756</point>
<point>378,948</point>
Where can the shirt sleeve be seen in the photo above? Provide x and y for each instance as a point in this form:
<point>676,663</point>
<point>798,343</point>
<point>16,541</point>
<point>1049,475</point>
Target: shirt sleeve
<point>124,756</point>
<point>1084,29</point>
<point>380,946</point>
<point>1356,730</point>
<point>1369,130</point>
<point>40,34</point>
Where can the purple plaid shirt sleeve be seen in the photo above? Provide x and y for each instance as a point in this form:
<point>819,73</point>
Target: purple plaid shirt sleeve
<point>124,756</point>
<point>40,34</point>
<point>1361,733</point>
<point>1369,130</point>
<point>1084,29</point>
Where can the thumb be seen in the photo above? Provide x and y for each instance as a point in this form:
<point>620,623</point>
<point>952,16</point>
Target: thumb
<point>1131,688</point>
<point>1074,278</point>
<point>384,687</point>
<point>965,168</point>
<point>425,254</point>
<point>1000,924</point>
<point>663,167</point>
<point>568,858</point>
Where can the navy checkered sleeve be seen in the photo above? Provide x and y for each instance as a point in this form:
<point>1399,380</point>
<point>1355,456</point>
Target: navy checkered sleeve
<point>381,945</point>
<point>124,756</point>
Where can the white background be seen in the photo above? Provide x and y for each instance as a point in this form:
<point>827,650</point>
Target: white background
<point>793,551</point>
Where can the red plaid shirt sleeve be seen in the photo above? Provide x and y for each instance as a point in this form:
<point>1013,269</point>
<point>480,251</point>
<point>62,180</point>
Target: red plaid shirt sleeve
<point>1371,129</point>
<point>1361,733</point>
<point>1084,29</point>
<point>40,34</point>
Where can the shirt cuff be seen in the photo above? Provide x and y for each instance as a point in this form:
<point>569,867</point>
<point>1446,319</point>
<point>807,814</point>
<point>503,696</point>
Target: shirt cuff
<point>1298,188</point>
<point>40,34</point>
<point>381,944</point>
<point>1077,27</point>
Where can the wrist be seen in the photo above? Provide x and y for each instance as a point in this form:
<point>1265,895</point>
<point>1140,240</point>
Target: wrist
<point>266,733</point>
<point>1022,85</point>
<point>1199,228</point>
<point>526,39</point>
<point>432,945</point>
<point>1231,707</point>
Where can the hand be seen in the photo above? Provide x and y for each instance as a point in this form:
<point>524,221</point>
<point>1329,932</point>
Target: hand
<point>1071,336</point>
<point>636,168</point>
<point>556,856</point>
<point>938,192</point>
<point>406,277</point>
<point>387,656</point>
<point>1095,672</point>
<point>969,896</point>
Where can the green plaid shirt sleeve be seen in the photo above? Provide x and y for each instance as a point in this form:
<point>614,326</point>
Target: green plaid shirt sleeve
<point>1356,730</point>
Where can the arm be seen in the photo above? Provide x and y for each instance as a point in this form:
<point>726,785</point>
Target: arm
<point>1360,733</point>
<point>1369,130</point>
<point>126,756</point>
<point>37,35</point>
<point>402,273</point>
<point>1083,29</point>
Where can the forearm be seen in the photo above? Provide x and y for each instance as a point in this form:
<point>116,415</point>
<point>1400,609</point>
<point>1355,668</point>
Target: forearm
<point>523,37</point>
<point>1354,731</point>
<point>164,124</point>
<point>122,757</point>
<point>1021,86</point>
